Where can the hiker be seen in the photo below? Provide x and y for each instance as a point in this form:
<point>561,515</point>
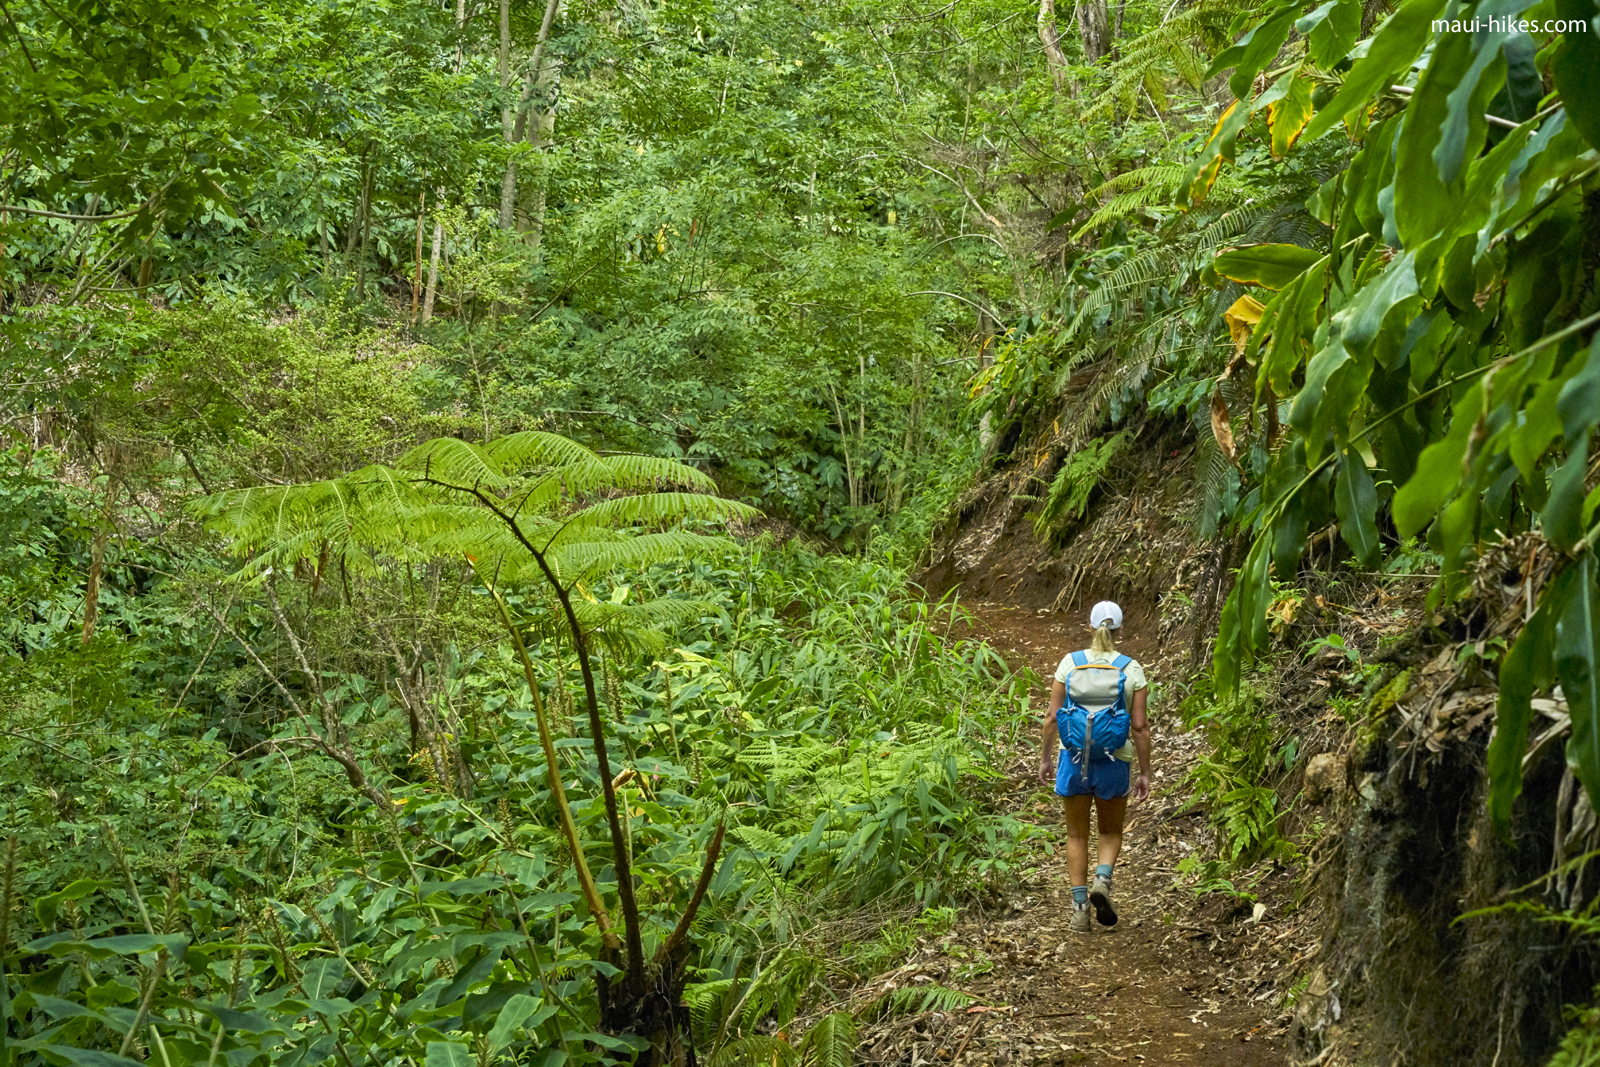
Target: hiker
<point>1099,695</point>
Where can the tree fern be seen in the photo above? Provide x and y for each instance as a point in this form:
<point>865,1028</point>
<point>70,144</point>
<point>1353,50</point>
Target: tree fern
<point>530,509</point>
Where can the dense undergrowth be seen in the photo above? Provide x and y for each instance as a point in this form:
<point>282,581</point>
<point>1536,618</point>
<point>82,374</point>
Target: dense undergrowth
<point>229,896</point>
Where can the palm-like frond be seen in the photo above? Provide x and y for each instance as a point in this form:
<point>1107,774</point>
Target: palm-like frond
<point>590,559</point>
<point>624,629</point>
<point>830,1042</point>
<point>654,508</point>
<point>453,461</point>
<point>453,499</point>
<point>753,1050</point>
<point>1133,191</point>
<point>602,474</point>
<point>532,449</point>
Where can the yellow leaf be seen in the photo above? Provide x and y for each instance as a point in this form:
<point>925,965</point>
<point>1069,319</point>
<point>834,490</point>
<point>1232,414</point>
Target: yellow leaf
<point>1244,314</point>
<point>1290,115</point>
<point>1222,427</point>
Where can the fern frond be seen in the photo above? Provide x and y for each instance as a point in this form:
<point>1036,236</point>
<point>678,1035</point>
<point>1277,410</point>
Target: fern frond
<point>754,1050</point>
<point>533,449</point>
<point>602,475</point>
<point>655,508</point>
<point>831,1042</point>
<point>704,1001</point>
<point>589,558</point>
<point>759,840</point>
<point>916,999</point>
<point>622,628</point>
<point>454,461</point>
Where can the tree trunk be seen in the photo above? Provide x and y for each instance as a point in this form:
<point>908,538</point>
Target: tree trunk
<point>508,114</point>
<point>416,279</point>
<point>1122,6</point>
<point>366,236</point>
<point>1050,37</point>
<point>433,271</point>
<point>541,133</point>
<point>1094,28</point>
<point>514,123</point>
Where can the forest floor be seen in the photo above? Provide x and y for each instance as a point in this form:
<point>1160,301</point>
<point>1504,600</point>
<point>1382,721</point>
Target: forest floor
<point>1181,978</point>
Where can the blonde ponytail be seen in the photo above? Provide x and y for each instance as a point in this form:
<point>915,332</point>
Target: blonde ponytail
<point>1102,640</point>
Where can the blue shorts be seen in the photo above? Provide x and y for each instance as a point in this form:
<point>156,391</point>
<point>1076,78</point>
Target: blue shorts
<point>1108,778</point>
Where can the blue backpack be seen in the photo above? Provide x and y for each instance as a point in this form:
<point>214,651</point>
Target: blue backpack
<point>1101,732</point>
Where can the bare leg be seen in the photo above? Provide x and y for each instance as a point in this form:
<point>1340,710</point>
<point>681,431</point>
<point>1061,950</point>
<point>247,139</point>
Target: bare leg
<point>1075,813</point>
<point>1109,814</point>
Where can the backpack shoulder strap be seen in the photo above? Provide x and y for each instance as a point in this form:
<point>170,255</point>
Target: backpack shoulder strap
<point>1120,662</point>
<point>1080,658</point>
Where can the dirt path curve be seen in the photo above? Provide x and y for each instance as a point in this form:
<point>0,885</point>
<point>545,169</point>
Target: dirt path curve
<point>1177,980</point>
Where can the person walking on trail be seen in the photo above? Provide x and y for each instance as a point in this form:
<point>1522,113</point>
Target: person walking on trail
<point>1096,724</point>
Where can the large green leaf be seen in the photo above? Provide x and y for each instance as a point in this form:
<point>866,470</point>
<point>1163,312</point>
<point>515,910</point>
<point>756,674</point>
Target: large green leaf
<point>1259,47</point>
<point>1269,266</point>
<point>1253,51</point>
<point>1358,323</point>
<point>1576,67</point>
<point>1355,499</point>
<point>521,1010</point>
<point>321,977</point>
<point>88,1057</point>
<point>1330,30</point>
<point>48,906</point>
<point>1562,517</point>
<point>1393,48</point>
<point>1471,90</point>
<point>1438,468</point>
<point>449,1054</point>
<point>1578,667</point>
<point>1527,668</point>
<point>1579,402</point>
<point>1424,201</point>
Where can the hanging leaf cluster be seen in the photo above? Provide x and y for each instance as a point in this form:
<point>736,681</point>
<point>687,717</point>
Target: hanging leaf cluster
<point>1432,364</point>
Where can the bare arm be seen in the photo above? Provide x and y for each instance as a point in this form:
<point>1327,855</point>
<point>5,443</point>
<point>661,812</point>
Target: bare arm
<point>1049,740</point>
<point>1141,740</point>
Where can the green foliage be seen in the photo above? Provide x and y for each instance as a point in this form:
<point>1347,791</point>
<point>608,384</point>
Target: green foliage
<point>1235,779</point>
<point>1580,1046</point>
<point>461,919</point>
<point>1203,876</point>
<point>1435,360</point>
<point>1069,492</point>
<point>916,999</point>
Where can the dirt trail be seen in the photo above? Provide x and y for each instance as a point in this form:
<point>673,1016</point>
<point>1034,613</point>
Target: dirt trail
<point>1178,980</point>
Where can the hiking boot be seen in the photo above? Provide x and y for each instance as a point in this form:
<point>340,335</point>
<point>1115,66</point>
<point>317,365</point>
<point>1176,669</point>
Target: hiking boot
<point>1100,897</point>
<point>1080,918</point>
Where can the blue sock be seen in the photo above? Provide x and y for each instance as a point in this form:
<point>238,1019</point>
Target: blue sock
<point>1103,870</point>
<point>1080,895</point>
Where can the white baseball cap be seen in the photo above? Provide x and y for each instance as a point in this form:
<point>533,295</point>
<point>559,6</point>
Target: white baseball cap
<point>1106,612</point>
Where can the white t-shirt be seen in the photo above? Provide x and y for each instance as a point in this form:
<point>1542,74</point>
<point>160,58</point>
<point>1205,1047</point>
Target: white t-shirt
<point>1096,689</point>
